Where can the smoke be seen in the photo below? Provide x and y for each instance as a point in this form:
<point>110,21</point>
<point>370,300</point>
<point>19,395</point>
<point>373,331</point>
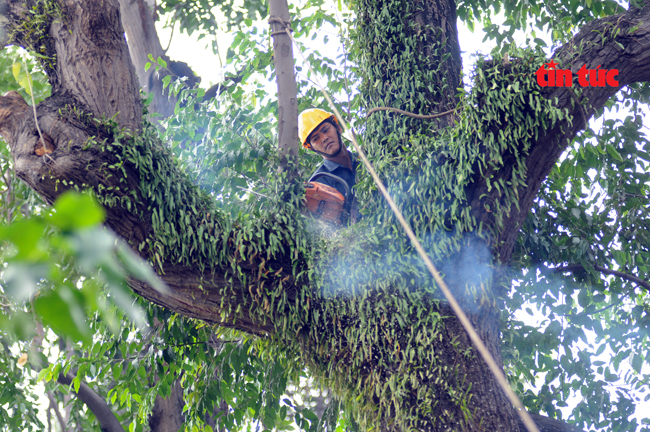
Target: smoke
<point>355,266</point>
<point>471,266</point>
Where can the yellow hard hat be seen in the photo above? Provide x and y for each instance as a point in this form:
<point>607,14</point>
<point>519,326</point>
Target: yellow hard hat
<point>308,120</point>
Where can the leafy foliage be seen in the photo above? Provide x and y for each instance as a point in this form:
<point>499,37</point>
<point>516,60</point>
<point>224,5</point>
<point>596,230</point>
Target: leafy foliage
<point>593,214</point>
<point>560,20</point>
<point>217,177</point>
<point>34,31</point>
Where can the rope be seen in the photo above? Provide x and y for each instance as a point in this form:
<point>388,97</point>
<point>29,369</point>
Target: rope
<point>462,317</point>
<point>31,93</point>
<point>287,26</point>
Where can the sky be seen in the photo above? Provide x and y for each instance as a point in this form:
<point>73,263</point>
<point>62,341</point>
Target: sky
<point>199,56</point>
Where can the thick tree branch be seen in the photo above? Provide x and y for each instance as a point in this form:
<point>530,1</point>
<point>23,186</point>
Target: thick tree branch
<point>167,413</point>
<point>94,76</point>
<point>200,294</point>
<point>288,144</point>
<point>205,295</point>
<point>623,275</point>
<point>620,42</point>
<point>138,18</point>
<point>107,420</point>
<point>228,83</point>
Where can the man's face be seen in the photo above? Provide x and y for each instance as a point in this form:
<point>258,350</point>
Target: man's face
<point>325,138</point>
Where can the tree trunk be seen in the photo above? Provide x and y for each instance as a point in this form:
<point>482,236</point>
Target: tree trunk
<point>138,19</point>
<point>431,67</point>
<point>285,78</point>
<point>167,414</point>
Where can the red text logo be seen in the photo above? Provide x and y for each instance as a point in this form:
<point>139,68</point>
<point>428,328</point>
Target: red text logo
<point>549,76</point>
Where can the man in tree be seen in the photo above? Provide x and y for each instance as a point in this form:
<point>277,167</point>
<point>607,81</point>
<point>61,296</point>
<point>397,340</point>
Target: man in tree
<point>320,132</point>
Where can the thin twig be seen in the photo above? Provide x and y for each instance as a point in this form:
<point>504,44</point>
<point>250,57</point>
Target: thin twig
<point>171,35</point>
<point>205,342</point>
<point>462,317</point>
<point>55,408</point>
<point>410,114</point>
<point>605,308</point>
<point>631,278</point>
<point>345,71</point>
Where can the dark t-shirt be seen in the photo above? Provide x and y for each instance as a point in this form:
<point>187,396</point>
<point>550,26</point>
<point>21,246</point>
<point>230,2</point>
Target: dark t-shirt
<point>348,175</point>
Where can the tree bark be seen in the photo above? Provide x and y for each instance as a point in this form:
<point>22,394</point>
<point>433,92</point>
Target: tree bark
<point>285,78</point>
<point>167,414</point>
<point>138,19</point>
<point>93,62</point>
<point>105,417</point>
<point>142,38</point>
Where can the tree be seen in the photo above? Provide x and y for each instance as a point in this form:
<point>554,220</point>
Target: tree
<point>485,190</point>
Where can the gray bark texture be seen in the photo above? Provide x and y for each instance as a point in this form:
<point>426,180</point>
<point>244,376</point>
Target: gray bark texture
<point>285,78</point>
<point>142,38</point>
<point>167,414</point>
<point>94,73</point>
<point>139,21</point>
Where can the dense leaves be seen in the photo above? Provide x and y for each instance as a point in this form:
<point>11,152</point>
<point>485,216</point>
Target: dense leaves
<point>592,216</point>
<point>591,213</point>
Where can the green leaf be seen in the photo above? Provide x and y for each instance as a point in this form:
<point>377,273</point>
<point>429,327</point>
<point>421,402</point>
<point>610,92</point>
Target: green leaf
<point>22,77</point>
<point>117,371</point>
<point>139,268</point>
<point>76,383</point>
<point>62,309</point>
<point>73,211</point>
<point>26,236</point>
<point>166,80</point>
<point>615,154</point>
